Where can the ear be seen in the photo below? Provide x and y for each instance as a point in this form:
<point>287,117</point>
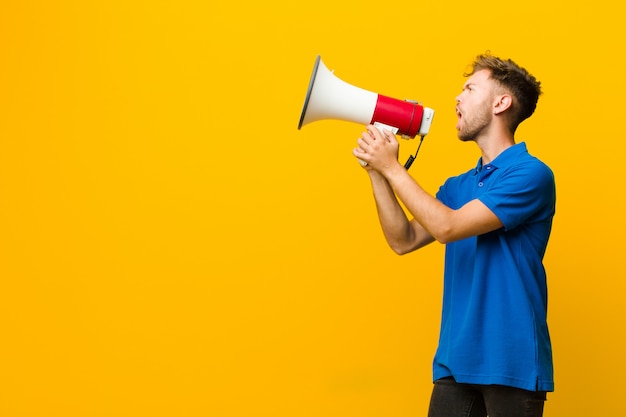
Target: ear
<point>501,103</point>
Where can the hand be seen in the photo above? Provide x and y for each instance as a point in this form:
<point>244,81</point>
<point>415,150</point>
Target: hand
<point>379,150</point>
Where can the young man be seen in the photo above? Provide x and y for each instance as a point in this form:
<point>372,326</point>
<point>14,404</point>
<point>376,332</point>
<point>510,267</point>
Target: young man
<point>494,355</point>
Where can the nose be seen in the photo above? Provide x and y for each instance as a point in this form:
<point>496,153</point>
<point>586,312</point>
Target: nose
<point>460,96</point>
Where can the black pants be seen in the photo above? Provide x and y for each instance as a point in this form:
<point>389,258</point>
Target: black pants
<point>451,399</point>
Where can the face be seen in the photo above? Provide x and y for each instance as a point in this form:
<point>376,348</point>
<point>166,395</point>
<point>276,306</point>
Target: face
<point>474,106</point>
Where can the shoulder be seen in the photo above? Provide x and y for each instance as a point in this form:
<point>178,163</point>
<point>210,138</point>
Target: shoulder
<point>528,170</point>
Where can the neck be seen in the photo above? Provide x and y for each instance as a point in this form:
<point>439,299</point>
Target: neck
<point>492,145</point>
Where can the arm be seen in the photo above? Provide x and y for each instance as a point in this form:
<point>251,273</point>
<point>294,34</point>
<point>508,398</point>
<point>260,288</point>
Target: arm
<point>402,235</point>
<point>441,222</point>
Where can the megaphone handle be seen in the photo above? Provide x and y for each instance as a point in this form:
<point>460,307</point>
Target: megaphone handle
<point>381,126</point>
<point>409,161</point>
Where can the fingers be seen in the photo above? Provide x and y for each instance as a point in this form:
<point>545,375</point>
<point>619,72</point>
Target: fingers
<point>367,142</point>
<point>374,144</point>
<point>374,133</point>
<point>359,153</point>
<point>362,146</point>
<point>368,137</point>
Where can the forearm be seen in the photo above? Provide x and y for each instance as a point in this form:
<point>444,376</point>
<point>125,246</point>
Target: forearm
<point>440,221</point>
<point>436,218</point>
<point>402,235</point>
<point>431,218</point>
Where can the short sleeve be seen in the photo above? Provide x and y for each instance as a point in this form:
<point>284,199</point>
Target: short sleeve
<point>522,193</point>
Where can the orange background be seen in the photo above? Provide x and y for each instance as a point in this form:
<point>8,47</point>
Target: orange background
<point>172,244</point>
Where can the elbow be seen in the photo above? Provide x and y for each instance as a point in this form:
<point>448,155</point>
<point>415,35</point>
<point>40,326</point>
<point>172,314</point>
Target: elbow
<point>443,240</point>
<point>399,246</point>
<point>400,250</point>
<point>403,247</point>
<point>444,235</point>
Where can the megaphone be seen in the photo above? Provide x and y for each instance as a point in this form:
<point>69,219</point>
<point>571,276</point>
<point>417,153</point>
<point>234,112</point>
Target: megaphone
<point>329,97</point>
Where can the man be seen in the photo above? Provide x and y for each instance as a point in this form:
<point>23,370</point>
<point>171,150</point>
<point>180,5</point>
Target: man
<point>494,355</point>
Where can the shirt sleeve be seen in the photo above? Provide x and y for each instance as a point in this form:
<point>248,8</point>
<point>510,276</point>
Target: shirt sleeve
<point>521,194</point>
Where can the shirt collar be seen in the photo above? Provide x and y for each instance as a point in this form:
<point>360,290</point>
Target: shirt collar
<point>505,157</point>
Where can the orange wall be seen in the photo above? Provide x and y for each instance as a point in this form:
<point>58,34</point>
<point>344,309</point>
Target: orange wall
<point>172,244</point>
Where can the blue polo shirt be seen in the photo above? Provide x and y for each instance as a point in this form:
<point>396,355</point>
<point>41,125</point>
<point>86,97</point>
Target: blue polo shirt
<point>493,327</point>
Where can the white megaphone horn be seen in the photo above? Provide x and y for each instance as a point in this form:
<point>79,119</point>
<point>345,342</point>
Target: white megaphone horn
<point>328,97</point>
